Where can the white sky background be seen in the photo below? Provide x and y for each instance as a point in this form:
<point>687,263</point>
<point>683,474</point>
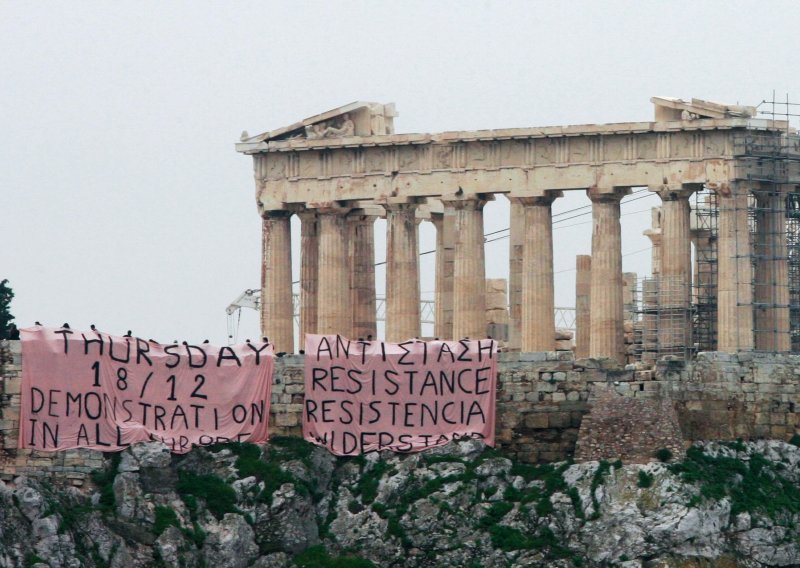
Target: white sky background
<point>124,204</point>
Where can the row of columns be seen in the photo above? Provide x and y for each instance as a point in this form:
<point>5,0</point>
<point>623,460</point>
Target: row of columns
<point>337,273</point>
<point>337,280</point>
<point>752,307</point>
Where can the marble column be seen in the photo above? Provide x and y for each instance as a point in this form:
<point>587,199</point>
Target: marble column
<point>469,270</point>
<point>771,286</point>
<point>606,283</point>
<point>675,281</point>
<point>734,272</point>
<point>705,284</point>
<point>654,234</point>
<point>277,319</point>
<point>309,267</point>
<point>583,284</point>
<point>334,312</point>
<point>516,247</point>
<point>445,243</point>
<point>362,287</point>
<point>538,320</point>
<point>402,273</point>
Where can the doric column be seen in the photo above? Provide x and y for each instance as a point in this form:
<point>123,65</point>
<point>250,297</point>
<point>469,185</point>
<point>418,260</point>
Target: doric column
<point>606,288</point>
<point>705,285</point>
<point>538,321</point>
<point>277,319</point>
<point>771,286</point>
<point>469,270</point>
<point>516,247</point>
<point>734,272</point>
<point>445,243</point>
<point>402,273</point>
<point>583,284</point>
<point>675,281</point>
<point>654,234</point>
<point>309,272</point>
<point>362,288</point>
<point>333,297</point>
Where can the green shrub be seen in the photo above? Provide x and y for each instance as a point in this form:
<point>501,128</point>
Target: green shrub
<point>318,557</point>
<point>165,517</point>
<point>755,485</point>
<point>645,479</point>
<point>508,539</point>
<point>495,514</point>
<point>795,440</point>
<point>663,455</point>
<point>220,498</point>
<point>368,481</point>
<point>577,504</point>
<point>104,480</point>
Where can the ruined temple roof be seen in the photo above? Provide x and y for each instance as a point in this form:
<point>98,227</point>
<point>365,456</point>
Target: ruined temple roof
<point>360,111</point>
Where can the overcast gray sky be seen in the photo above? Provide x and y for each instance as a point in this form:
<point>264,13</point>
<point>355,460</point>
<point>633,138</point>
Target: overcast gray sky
<point>124,203</point>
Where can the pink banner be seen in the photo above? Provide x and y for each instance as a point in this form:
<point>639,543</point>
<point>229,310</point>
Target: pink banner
<point>93,390</point>
<point>363,396</point>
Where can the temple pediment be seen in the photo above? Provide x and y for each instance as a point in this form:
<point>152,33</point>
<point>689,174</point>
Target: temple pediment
<point>670,108</point>
<point>355,119</point>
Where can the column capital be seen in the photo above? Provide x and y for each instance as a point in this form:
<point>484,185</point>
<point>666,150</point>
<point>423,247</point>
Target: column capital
<point>399,206</point>
<point>546,199</point>
<point>676,192</point>
<point>722,189</point>
<point>332,212</point>
<point>466,202</point>
<point>607,195</point>
<point>653,234</point>
<point>307,214</point>
<point>276,214</point>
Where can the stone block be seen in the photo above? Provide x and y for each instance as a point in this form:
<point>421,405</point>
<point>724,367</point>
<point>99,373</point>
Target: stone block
<point>537,420</point>
<point>535,357</point>
<point>559,397</point>
<point>285,420</point>
<point>12,386</point>
<point>558,419</point>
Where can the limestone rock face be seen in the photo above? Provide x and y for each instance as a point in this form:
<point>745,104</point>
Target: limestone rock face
<point>278,506</point>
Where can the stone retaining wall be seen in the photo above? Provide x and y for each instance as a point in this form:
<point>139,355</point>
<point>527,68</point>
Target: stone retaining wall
<point>629,429</point>
<point>722,396</point>
<point>542,399</point>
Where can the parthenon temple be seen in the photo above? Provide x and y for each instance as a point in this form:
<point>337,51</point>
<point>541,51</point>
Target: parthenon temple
<point>726,237</point>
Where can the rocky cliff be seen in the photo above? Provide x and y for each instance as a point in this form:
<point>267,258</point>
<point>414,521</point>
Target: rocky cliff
<point>291,504</point>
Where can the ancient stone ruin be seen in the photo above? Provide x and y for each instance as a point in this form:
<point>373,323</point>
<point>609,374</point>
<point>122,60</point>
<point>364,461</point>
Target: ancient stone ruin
<point>726,268</point>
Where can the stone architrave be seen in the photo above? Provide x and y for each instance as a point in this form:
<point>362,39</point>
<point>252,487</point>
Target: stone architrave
<point>734,271</point>
<point>583,284</point>
<point>445,250</point>
<point>362,288</point>
<point>606,338</point>
<point>277,318</point>
<point>402,273</point>
<point>334,312</point>
<point>771,285</point>
<point>309,271</point>
<point>469,269</point>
